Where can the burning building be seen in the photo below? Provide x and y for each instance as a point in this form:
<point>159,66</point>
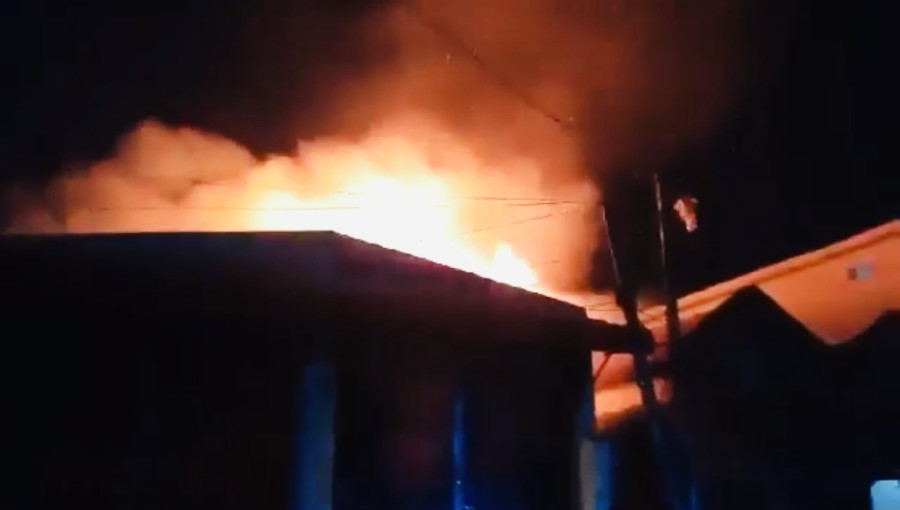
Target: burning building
<point>286,370</point>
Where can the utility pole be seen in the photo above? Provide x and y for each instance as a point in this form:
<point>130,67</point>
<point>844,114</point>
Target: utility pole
<point>642,345</point>
<point>673,323</point>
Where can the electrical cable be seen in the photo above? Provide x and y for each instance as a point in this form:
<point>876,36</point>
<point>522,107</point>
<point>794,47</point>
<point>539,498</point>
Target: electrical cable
<point>509,200</point>
<point>520,222</point>
<point>307,208</point>
<point>606,358</point>
<point>453,40</point>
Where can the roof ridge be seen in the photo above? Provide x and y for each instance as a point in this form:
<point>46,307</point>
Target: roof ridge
<point>767,273</point>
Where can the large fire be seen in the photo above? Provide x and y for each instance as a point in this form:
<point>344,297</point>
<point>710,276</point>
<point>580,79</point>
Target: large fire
<point>409,216</point>
<point>447,148</point>
<point>407,185</point>
<point>437,157</point>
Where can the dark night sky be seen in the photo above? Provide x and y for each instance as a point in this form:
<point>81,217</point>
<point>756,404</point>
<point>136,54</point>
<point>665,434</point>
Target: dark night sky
<point>802,164</point>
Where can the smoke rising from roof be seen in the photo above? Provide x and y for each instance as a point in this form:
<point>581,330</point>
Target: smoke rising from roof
<point>634,78</point>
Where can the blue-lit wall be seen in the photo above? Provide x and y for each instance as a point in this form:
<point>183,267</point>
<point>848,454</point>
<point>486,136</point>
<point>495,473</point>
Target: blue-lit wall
<point>314,450</point>
<point>204,383</point>
<point>492,429</point>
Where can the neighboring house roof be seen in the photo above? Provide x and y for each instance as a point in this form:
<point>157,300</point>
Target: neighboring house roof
<point>836,292</point>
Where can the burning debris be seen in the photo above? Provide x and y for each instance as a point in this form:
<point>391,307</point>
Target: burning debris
<point>686,207</point>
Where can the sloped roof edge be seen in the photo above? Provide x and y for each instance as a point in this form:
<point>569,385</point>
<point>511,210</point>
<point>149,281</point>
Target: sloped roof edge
<point>700,301</point>
<point>333,262</point>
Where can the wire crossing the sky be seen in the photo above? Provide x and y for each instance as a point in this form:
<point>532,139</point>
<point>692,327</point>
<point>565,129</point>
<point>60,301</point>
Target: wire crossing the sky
<point>453,40</point>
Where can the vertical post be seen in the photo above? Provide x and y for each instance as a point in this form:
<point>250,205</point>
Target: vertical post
<point>642,347</point>
<point>604,218</point>
<point>643,344</point>
<point>673,321</point>
<point>314,453</point>
<point>673,325</point>
<point>604,463</point>
<point>459,451</point>
<point>596,460</point>
<point>589,479</point>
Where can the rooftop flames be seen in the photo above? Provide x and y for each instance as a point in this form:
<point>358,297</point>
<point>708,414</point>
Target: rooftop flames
<point>413,216</point>
<point>407,186</point>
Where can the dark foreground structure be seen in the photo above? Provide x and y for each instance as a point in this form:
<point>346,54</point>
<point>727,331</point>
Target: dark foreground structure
<point>284,371</point>
<point>784,389</point>
<point>777,419</point>
<point>765,416</point>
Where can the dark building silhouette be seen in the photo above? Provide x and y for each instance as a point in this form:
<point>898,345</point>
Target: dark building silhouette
<point>299,371</point>
<point>777,419</point>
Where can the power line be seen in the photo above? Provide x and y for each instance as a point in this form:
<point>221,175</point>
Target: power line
<point>455,41</point>
<point>522,221</point>
<point>254,209</point>
<point>525,200</point>
<point>477,198</point>
<point>600,368</point>
<point>328,208</point>
<point>418,240</point>
<point>320,208</point>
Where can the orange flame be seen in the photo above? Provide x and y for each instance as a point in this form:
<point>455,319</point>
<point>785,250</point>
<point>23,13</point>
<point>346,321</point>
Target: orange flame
<point>410,188</point>
<point>412,217</point>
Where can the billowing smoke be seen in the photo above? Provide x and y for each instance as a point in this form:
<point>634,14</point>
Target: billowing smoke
<point>632,82</point>
<point>497,149</point>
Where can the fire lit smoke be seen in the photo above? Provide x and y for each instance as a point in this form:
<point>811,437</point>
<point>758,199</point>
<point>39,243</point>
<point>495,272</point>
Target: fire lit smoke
<point>408,186</point>
<point>435,155</point>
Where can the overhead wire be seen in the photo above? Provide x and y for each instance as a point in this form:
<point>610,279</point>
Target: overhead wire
<point>606,358</point>
<point>449,37</point>
<point>524,200</point>
<point>521,221</point>
<point>328,208</point>
<point>174,208</point>
<point>276,209</point>
<point>527,100</point>
<point>453,40</point>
